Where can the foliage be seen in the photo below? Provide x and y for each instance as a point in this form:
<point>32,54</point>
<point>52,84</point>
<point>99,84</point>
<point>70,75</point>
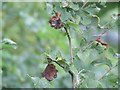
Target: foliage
<point>26,26</point>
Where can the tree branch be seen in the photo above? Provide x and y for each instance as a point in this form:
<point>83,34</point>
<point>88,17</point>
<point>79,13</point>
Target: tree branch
<point>71,74</point>
<point>69,71</point>
<point>84,4</point>
<point>70,44</point>
<point>91,42</point>
<point>106,72</point>
<point>71,54</point>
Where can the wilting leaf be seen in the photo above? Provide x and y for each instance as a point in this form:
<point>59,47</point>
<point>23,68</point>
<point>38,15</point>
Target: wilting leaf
<point>50,72</point>
<point>55,21</point>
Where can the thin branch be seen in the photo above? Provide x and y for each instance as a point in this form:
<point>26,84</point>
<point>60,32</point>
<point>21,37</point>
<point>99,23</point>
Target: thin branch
<point>69,71</point>
<point>84,4</point>
<point>106,72</point>
<point>71,74</point>
<point>88,45</point>
<point>70,44</point>
<point>71,54</point>
<point>91,42</point>
<point>102,34</point>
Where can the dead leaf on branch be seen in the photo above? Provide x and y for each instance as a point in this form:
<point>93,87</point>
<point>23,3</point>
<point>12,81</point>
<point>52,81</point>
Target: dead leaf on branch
<point>50,72</point>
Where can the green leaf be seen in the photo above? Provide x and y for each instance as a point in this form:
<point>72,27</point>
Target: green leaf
<point>103,2</point>
<point>98,18</point>
<point>9,42</point>
<point>64,4</point>
<point>86,56</point>
<point>64,14</point>
<point>101,48</point>
<point>74,6</point>
<point>70,23</point>
<point>1,73</point>
<point>64,64</point>
<point>110,54</point>
<point>104,61</point>
<point>74,25</point>
<point>92,83</point>
<point>92,9</point>
<point>74,69</point>
<point>49,8</point>
<point>79,64</point>
<point>94,44</point>
<point>111,50</point>
<point>76,19</point>
<point>86,20</point>
<point>83,42</point>
<point>40,83</point>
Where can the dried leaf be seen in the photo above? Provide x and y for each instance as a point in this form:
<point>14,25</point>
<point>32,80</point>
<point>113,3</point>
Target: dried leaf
<point>50,72</point>
<point>55,21</point>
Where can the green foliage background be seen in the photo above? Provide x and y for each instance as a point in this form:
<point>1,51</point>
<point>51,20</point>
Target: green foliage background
<point>27,25</point>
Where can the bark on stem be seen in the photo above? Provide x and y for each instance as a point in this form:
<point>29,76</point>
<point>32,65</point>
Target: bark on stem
<point>70,72</point>
<point>70,44</point>
<point>71,54</point>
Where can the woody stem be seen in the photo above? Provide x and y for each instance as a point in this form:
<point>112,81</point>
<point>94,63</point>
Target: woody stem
<point>70,44</point>
<point>69,71</point>
<point>71,54</point>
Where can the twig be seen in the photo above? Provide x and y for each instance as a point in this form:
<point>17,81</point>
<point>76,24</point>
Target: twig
<point>91,42</point>
<point>88,45</point>
<point>84,4</point>
<point>106,72</point>
<point>69,71</point>
<point>71,54</point>
<point>70,44</point>
<point>71,74</point>
<point>102,34</point>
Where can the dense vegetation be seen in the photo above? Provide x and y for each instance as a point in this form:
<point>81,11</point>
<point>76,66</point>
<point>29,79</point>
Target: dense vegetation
<point>28,41</point>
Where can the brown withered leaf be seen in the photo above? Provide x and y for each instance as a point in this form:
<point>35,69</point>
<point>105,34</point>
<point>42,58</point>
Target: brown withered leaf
<point>102,42</point>
<point>50,72</point>
<point>55,21</point>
